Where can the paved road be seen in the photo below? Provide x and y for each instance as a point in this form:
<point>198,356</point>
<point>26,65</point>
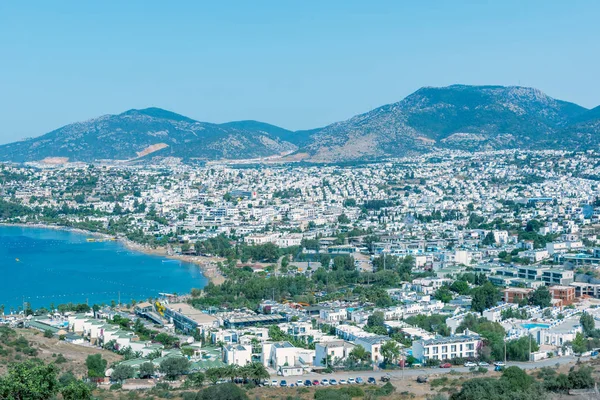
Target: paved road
<point>412,373</point>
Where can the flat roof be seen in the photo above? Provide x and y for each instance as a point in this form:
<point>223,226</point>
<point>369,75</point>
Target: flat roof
<point>191,313</point>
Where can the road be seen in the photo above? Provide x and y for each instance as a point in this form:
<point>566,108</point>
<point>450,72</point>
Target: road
<point>412,373</point>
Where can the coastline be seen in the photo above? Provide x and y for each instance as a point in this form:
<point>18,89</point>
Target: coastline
<point>208,265</point>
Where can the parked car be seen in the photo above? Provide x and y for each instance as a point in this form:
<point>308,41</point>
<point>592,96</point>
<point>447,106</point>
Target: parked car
<point>274,382</point>
<point>343,382</point>
<point>307,382</point>
<point>446,365</point>
<point>283,384</point>
<point>316,382</point>
<point>385,378</point>
<point>470,364</point>
<point>499,368</point>
<point>359,380</point>
<point>333,382</point>
<point>499,364</point>
<point>325,382</point>
<point>371,380</point>
<point>483,364</point>
<point>299,382</point>
<point>351,381</point>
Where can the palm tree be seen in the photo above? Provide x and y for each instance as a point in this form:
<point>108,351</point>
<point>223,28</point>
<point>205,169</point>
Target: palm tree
<point>259,372</point>
<point>390,351</point>
<point>358,354</point>
<point>231,371</point>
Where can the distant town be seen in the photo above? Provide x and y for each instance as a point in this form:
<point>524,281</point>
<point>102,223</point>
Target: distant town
<point>323,275</point>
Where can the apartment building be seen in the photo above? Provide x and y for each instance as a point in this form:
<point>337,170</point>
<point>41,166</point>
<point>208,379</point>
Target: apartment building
<point>464,346</point>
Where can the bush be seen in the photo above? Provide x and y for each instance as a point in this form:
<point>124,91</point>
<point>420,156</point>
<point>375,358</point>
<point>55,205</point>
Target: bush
<point>116,386</point>
<point>331,394</point>
<point>48,333</point>
<point>60,359</point>
<point>353,391</point>
<point>224,391</point>
<point>385,390</point>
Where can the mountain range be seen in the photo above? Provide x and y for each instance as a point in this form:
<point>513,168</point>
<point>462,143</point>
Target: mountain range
<point>454,117</point>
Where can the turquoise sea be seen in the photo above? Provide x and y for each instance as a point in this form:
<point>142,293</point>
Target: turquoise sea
<point>46,266</point>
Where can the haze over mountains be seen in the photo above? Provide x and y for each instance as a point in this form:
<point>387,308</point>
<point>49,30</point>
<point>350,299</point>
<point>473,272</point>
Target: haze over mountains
<point>454,117</point>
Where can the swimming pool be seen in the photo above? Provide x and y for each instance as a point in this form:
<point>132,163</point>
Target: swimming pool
<point>534,326</point>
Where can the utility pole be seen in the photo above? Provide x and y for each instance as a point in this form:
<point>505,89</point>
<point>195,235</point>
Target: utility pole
<point>505,351</point>
<point>529,333</point>
<point>119,303</point>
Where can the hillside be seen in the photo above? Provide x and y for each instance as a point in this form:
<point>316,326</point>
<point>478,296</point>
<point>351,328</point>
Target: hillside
<point>138,133</point>
<point>460,117</point>
<point>457,117</point>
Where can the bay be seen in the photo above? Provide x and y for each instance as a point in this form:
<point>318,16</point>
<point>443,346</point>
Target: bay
<point>44,266</point>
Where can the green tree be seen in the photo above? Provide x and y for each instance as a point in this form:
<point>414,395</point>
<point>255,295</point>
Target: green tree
<point>460,287</point>
<point>541,297</point>
<point>343,219</point>
<point>587,323</point>
<point>578,344</point>
<point>96,366</point>
<point>581,378</point>
<point>29,380</point>
<point>146,370</point>
<point>443,294</point>
<point>76,391</point>
<point>360,354</point>
<point>122,372</point>
<point>196,379</point>
<point>488,240</point>
<point>390,351</point>
<point>173,367</point>
<point>485,296</point>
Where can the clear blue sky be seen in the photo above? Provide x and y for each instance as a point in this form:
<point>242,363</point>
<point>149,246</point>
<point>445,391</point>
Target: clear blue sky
<point>297,64</point>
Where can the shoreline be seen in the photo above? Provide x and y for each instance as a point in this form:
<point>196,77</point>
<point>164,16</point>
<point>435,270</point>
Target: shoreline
<point>207,265</point>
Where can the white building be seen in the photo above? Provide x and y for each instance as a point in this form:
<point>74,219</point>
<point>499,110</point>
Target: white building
<point>464,346</point>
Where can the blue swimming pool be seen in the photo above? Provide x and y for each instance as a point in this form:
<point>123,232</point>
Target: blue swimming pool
<point>534,326</point>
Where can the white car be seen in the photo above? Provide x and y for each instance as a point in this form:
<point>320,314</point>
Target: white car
<point>483,364</point>
<point>499,364</point>
<point>299,382</point>
<point>324,382</point>
<point>343,382</point>
<point>274,382</point>
<point>470,364</point>
<point>351,381</point>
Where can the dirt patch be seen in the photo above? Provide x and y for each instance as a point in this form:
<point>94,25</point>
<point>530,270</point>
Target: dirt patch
<point>49,348</point>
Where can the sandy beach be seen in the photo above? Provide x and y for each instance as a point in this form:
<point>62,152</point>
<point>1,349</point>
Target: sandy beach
<point>208,265</point>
